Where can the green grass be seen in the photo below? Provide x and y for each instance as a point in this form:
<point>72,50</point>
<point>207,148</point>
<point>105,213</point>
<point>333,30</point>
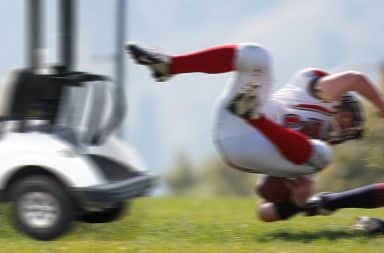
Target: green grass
<point>203,225</point>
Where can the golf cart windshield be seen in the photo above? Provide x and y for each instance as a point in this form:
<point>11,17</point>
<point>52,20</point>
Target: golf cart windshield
<point>85,104</point>
<point>90,109</point>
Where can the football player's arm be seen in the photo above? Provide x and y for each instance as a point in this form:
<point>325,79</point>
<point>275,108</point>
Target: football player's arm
<point>334,86</point>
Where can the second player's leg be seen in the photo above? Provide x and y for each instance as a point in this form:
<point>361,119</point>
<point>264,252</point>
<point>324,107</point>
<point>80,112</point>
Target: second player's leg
<point>369,196</point>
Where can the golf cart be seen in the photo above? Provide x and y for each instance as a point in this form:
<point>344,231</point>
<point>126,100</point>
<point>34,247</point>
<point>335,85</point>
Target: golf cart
<point>59,159</point>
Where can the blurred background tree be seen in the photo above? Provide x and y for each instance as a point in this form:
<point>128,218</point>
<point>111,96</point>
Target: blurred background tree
<point>209,177</point>
<point>182,178</point>
<point>218,178</point>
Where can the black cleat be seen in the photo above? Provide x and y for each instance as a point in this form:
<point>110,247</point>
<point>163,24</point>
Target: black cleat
<point>246,104</point>
<point>315,205</point>
<point>158,63</point>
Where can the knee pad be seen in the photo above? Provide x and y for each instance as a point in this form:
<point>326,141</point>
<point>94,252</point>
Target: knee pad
<point>321,156</point>
<point>253,58</point>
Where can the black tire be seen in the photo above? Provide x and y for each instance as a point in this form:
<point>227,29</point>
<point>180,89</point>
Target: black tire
<point>28,191</point>
<point>106,215</point>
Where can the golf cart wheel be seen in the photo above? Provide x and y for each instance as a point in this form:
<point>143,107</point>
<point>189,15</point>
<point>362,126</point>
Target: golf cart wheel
<point>41,207</point>
<point>106,215</point>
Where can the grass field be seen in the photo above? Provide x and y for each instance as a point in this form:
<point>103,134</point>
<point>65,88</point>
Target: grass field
<point>202,225</point>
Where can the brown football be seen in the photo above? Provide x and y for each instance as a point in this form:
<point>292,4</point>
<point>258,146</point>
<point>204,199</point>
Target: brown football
<point>273,189</point>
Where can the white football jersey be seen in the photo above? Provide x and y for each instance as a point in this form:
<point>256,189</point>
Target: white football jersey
<point>299,109</point>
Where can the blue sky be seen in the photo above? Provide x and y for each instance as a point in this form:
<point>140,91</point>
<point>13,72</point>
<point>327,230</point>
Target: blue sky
<point>165,119</point>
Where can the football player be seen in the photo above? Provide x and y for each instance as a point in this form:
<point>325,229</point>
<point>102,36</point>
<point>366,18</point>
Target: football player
<point>285,134</point>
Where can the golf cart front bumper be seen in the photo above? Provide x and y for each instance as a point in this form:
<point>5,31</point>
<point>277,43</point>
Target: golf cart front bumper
<point>116,191</point>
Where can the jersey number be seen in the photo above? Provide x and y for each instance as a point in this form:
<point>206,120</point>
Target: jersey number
<point>310,127</point>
